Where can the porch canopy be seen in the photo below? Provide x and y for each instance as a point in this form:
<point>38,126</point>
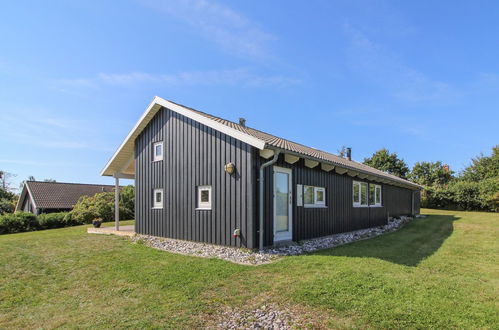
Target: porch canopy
<point>122,165</point>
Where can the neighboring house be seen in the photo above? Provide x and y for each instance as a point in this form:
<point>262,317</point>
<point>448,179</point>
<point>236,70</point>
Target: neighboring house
<point>202,178</point>
<point>45,197</point>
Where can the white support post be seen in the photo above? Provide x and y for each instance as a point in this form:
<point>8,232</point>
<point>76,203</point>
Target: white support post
<point>117,202</point>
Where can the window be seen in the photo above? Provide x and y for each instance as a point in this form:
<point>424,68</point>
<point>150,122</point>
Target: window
<point>158,199</point>
<point>371,194</point>
<point>308,195</point>
<point>157,150</point>
<point>314,196</point>
<point>204,198</point>
<point>377,194</point>
<point>359,193</point>
<point>320,196</point>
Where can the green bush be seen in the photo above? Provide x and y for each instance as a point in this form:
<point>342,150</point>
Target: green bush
<point>101,205</point>
<point>18,222</point>
<point>53,220</point>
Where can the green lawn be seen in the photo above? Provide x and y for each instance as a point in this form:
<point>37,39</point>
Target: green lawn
<point>440,272</point>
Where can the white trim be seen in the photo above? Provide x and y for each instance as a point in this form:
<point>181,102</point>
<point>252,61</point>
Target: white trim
<point>126,149</point>
<point>376,204</point>
<point>156,158</point>
<point>30,196</point>
<point>155,204</point>
<point>287,235</point>
<point>204,205</point>
<point>299,195</point>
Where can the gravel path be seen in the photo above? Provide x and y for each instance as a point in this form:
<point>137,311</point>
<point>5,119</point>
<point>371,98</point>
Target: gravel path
<point>265,317</point>
<point>245,256</point>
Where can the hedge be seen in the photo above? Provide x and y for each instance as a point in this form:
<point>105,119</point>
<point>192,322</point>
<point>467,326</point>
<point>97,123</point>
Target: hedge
<point>53,220</point>
<point>18,222</point>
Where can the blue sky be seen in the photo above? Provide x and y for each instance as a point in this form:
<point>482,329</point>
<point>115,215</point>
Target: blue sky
<point>420,78</point>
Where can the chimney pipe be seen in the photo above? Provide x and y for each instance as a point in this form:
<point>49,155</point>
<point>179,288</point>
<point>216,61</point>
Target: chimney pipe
<point>242,122</point>
<point>349,153</point>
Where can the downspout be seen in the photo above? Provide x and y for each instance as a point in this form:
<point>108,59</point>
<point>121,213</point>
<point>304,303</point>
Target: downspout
<point>262,168</point>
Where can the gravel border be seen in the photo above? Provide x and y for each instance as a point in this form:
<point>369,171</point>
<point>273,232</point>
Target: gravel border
<point>250,257</point>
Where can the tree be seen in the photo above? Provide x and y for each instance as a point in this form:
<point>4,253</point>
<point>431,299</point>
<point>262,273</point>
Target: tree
<point>7,197</point>
<point>101,205</point>
<point>483,167</point>
<point>5,180</point>
<point>342,152</point>
<point>430,173</point>
<point>388,162</point>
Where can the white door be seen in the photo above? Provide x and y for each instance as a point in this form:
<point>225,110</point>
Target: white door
<point>282,204</point>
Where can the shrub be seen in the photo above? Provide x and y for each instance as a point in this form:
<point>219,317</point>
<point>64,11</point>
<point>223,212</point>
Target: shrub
<point>53,220</point>
<point>101,205</point>
<point>18,222</point>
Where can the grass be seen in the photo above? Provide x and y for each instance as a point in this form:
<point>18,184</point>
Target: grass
<point>438,272</point>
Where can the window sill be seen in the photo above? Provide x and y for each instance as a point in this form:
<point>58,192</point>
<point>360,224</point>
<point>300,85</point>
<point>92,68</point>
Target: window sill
<point>157,208</point>
<point>361,206</point>
<point>203,209</point>
<point>310,206</point>
<point>157,160</point>
<point>375,205</point>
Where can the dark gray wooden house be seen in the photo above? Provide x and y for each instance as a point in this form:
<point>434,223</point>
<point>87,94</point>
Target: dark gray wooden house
<point>46,197</point>
<point>202,178</point>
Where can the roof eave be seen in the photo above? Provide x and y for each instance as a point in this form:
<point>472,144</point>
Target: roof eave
<point>156,104</point>
<point>400,181</point>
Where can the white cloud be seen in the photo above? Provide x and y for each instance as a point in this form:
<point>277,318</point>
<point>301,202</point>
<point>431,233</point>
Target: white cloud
<point>240,77</point>
<point>220,24</point>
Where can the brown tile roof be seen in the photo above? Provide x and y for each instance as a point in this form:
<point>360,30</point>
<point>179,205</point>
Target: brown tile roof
<point>58,195</point>
<point>287,145</point>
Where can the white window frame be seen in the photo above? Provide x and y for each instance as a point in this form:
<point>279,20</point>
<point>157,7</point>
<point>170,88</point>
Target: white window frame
<point>316,203</point>
<point>204,205</point>
<point>157,158</point>
<point>155,204</point>
<point>359,203</point>
<point>376,186</point>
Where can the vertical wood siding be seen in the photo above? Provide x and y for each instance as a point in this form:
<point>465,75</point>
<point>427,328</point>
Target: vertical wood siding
<point>339,215</point>
<point>194,155</point>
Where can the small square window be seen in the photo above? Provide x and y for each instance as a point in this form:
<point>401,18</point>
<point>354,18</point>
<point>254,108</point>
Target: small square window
<point>356,193</point>
<point>314,196</point>
<point>360,194</point>
<point>204,197</point>
<point>158,199</point>
<point>320,196</point>
<point>157,151</point>
<point>308,195</point>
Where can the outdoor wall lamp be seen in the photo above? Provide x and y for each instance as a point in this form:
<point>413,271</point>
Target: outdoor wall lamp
<point>229,168</point>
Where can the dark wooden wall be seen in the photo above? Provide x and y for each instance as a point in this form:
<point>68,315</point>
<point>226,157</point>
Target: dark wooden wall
<point>398,201</point>
<point>26,205</point>
<point>194,155</point>
<point>417,202</point>
<point>339,215</point>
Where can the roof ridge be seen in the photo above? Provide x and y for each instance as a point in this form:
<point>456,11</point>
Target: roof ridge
<point>73,183</point>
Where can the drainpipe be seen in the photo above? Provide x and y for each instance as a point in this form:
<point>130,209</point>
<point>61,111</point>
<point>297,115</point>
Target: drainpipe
<point>262,167</point>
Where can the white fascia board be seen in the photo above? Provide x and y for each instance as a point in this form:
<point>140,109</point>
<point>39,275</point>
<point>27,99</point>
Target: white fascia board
<point>22,196</point>
<point>251,140</point>
<point>151,110</point>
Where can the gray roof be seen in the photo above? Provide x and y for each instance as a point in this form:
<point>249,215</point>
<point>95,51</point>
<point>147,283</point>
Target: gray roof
<point>287,145</point>
<point>121,163</point>
<point>59,195</point>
